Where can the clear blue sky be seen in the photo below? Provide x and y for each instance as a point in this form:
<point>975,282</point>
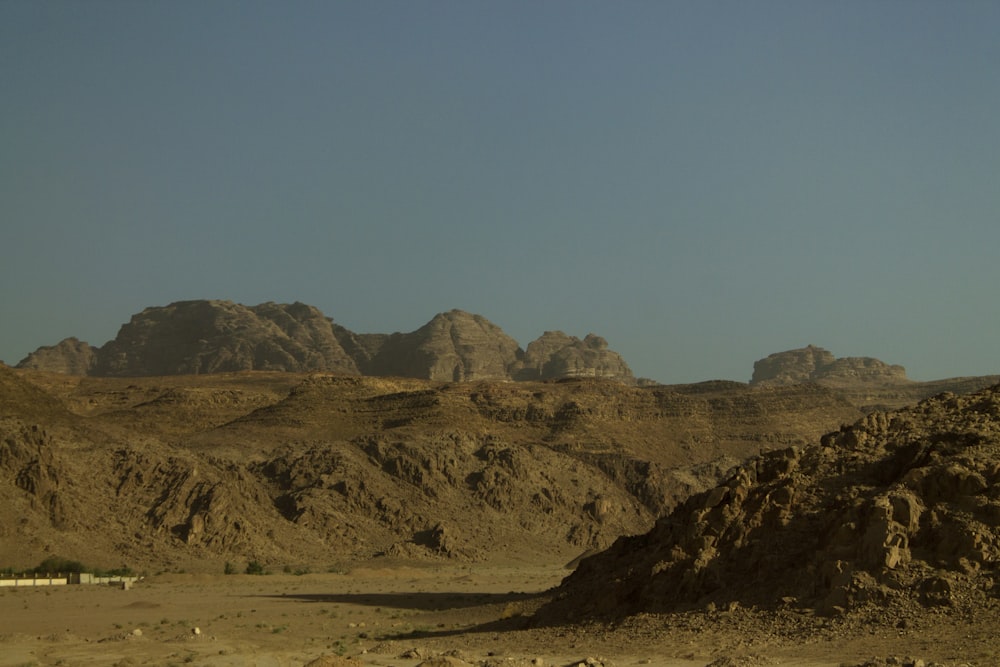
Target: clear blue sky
<point>701,183</point>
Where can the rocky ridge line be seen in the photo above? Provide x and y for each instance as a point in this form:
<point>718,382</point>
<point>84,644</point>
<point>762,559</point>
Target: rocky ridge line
<point>202,336</point>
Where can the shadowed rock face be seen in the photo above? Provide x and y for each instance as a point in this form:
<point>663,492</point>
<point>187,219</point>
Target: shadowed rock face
<point>196,337</point>
<point>814,364</point>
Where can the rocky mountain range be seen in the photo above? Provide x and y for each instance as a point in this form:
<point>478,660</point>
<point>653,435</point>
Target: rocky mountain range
<point>211,336</point>
<point>197,337</point>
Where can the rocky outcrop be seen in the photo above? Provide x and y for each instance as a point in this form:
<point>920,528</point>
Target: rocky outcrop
<point>192,337</point>
<point>454,347</point>
<point>900,508</point>
<point>556,355</point>
<point>814,364</point>
<point>70,356</point>
<point>195,337</point>
<point>207,507</point>
<point>27,457</point>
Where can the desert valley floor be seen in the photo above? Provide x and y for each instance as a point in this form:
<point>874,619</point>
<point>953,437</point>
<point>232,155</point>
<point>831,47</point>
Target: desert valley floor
<point>407,614</point>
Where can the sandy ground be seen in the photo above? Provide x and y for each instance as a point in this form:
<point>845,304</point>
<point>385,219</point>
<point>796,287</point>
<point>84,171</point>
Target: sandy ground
<point>400,615</point>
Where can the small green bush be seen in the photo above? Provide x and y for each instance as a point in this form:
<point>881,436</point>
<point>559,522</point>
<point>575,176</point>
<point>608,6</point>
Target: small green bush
<point>253,567</point>
<point>54,564</point>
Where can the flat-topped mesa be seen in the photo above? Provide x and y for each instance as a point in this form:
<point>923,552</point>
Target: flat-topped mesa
<point>814,364</point>
<point>214,336</point>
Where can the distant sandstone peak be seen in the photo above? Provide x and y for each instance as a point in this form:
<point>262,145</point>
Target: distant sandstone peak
<point>814,364</point>
<point>213,336</point>
<point>216,336</point>
<point>70,356</point>
<point>455,346</point>
<point>557,355</point>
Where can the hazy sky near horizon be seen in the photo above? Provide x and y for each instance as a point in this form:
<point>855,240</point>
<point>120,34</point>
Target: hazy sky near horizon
<point>701,183</point>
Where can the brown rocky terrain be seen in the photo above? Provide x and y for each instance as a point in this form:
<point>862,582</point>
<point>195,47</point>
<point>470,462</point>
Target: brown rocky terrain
<point>893,515</point>
<point>735,525</point>
<point>302,469</point>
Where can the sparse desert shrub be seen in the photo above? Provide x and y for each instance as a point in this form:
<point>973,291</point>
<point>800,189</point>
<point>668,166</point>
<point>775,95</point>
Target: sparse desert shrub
<point>254,567</point>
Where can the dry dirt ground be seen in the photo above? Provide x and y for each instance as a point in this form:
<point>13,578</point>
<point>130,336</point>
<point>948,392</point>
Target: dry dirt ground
<point>403,614</point>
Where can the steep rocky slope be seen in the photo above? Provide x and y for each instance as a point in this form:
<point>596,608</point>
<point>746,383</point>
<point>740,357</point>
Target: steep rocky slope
<point>202,336</point>
<point>899,509</point>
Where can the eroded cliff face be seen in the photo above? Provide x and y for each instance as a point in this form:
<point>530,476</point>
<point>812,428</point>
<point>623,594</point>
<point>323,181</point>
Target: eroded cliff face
<point>198,337</point>
<point>814,364</point>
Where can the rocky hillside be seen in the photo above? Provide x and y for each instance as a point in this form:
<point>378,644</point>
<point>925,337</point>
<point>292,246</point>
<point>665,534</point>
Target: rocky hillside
<point>197,337</point>
<point>900,509</point>
<point>190,471</point>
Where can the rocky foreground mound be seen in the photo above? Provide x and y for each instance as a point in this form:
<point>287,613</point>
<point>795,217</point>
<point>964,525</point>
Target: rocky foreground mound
<point>901,508</point>
<point>202,336</point>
